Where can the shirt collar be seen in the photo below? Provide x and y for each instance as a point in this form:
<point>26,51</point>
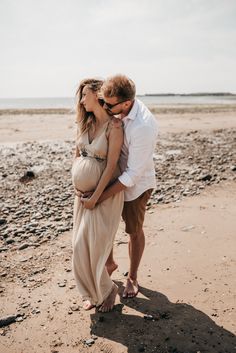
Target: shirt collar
<point>133,112</point>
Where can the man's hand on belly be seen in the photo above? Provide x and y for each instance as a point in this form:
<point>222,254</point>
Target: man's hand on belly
<point>88,202</point>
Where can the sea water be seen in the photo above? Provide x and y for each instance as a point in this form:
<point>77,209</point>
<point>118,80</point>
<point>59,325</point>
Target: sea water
<point>150,100</point>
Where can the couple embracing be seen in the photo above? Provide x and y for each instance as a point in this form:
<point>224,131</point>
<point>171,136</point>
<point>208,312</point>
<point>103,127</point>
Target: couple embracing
<point>113,176</point>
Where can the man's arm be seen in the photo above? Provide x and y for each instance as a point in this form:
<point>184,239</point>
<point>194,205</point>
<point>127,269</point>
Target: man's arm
<point>140,150</point>
<point>111,190</point>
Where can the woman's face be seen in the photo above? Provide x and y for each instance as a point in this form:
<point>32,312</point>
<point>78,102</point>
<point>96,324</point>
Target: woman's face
<point>88,99</point>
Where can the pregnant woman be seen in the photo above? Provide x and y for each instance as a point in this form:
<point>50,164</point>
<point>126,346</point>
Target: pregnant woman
<point>98,146</point>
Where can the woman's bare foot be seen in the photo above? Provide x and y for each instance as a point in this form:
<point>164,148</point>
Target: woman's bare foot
<point>87,305</point>
<point>111,267</point>
<point>131,289</point>
<point>109,302</point>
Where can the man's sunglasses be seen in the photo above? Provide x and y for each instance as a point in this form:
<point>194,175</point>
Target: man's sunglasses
<point>109,106</point>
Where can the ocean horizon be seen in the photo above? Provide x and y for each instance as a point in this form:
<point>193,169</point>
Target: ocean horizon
<point>148,99</point>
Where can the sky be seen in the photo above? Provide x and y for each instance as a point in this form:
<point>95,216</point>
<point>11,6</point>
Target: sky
<point>177,46</point>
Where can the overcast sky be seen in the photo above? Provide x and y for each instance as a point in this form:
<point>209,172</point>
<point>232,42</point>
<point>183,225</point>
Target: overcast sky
<point>178,46</point>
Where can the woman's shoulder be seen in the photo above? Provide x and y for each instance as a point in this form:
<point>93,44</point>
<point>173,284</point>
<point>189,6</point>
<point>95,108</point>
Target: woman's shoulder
<point>115,123</point>
<point>115,126</point>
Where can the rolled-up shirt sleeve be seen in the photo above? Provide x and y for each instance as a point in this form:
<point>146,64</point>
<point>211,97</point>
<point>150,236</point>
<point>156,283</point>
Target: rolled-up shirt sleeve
<point>140,151</point>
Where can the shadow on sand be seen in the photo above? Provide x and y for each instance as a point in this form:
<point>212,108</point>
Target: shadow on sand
<point>167,327</point>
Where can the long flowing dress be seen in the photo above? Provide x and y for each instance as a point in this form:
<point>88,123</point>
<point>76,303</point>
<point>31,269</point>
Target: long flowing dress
<point>93,230</point>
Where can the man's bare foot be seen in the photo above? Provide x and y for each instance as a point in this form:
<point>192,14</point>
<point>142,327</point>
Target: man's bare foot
<point>131,289</point>
<point>109,302</point>
<point>111,267</point>
<point>87,305</point>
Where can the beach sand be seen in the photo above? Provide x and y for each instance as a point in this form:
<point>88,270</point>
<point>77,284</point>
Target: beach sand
<point>187,275</point>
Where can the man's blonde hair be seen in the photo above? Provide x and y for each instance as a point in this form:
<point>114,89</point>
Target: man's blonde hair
<point>119,86</point>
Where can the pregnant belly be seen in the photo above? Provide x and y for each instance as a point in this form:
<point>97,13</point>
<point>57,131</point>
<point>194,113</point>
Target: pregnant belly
<point>86,173</point>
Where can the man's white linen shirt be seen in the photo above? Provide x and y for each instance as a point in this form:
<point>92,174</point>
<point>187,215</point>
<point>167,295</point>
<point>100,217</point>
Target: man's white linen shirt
<point>136,160</point>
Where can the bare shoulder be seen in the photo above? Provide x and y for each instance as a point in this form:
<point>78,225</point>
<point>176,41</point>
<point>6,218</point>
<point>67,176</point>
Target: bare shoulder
<point>115,131</point>
<point>116,123</point>
<point>115,127</point>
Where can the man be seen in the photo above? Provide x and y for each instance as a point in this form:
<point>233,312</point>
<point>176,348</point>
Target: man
<point>136,162</point>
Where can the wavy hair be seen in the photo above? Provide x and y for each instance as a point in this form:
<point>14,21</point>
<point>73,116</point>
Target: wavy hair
<point>86,119</point>
<point>119,86</point>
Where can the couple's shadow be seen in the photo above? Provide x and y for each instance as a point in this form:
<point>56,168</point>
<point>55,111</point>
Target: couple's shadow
<point>160,326</point>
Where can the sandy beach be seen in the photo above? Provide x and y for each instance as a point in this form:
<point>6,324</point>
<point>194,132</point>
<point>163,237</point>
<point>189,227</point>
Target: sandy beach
<point>187,299</point>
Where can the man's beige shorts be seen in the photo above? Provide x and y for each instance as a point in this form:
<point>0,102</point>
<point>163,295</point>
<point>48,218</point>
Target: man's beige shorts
<point>134,211</point>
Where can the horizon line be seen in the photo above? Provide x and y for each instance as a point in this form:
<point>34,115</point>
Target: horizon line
<point>138,95</point>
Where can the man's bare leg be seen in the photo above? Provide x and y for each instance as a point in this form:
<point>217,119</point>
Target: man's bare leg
<point>136,248</point>
<point>111,265</point>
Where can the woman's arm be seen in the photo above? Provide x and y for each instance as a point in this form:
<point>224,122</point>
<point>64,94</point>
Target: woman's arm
<point>115,141</point>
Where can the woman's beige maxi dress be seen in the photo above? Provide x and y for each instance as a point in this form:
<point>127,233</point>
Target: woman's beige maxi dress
<point>93,230</point>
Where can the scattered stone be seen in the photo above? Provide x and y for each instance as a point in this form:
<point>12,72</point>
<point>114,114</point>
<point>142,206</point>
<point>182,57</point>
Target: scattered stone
<point>75,307</point>
<point>94,337</point>
<point>206,177</point>
<point>61,284</point>
<point>28,176</point>
<point>3,249</point>
<point>5,321</point>
<point>89,342</point>
<point>187,228</point>
<point>23,246</point>
<point>19,319</point>
<point>3,221</point>
<point>10,241</point>
<point>148,317</point>
<point>3,274</point>
<point>186,163</point>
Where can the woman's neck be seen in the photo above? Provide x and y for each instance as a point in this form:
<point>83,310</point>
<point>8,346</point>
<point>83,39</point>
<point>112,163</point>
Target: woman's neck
<point>101,115</point>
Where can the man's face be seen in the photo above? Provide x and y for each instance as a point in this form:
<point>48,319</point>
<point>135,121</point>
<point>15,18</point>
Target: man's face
<point>114,106</point>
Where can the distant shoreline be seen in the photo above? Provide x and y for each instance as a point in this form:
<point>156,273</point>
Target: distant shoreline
<point>216,94</point>
<point>196,94</point>
<point>68,105</point>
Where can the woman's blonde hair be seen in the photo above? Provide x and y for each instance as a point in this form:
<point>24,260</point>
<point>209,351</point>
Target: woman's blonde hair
<point>86,119</point>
